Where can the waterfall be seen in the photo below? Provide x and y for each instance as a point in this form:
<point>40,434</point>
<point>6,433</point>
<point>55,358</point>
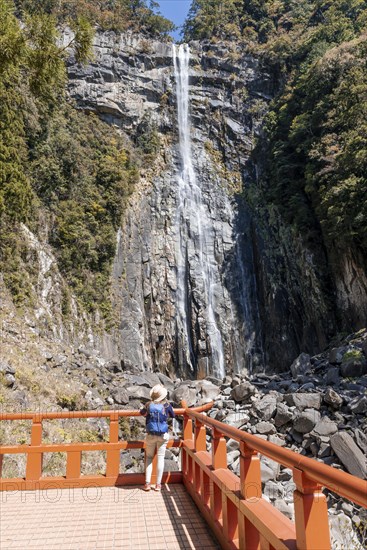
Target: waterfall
<point>194,230</point>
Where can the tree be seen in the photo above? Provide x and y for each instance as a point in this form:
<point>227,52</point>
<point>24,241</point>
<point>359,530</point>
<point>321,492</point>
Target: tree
<point>207,18</point>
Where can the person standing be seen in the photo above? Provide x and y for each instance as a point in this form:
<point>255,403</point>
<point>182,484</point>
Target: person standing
<point>156,412</point>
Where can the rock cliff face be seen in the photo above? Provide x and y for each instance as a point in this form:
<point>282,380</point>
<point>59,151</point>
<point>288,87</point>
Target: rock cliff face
<point>272,296</point>
<point>126,85</point>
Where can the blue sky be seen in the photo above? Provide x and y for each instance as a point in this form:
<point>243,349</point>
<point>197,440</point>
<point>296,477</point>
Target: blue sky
<point>175,10</point>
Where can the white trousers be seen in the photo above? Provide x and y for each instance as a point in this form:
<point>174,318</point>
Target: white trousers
<point>153,443</point>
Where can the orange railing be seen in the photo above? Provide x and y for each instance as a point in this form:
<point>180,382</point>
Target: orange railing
<point>233,505</point>
<point>34,453</point>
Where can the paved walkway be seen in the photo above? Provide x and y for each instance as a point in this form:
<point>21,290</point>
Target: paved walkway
<point>105,518</point>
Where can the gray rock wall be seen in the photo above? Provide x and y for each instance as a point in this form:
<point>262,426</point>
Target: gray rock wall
<point>274,297</point>
<point>129,80</point>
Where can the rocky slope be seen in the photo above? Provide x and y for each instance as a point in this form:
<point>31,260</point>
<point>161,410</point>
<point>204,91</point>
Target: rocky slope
<point>317,409</point>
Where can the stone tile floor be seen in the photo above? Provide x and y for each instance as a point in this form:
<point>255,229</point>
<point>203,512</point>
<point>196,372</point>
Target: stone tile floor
<point>108,518</point>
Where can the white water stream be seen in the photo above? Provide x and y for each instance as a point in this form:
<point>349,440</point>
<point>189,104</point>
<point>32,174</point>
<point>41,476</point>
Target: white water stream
<point>193,224</point>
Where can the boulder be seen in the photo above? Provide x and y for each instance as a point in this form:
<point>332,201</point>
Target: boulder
<point>353,366</point>
<point>232,445</point>
<point>269,469</point>
<point>226,382</point>
<point>267,474</point>
<point>342,534</point>
<point>153,378</point>
<point>93,400</point>
<point>236,381</point>
<point>332,398</point>
<point>120,396</point>
<point>217,381</point>
<point>361,440</point>
<point>284,508</point>
<point>307,400</point>
<point>325,427</point>
<point>332,377</point>
<point>140,380</point>
<point>306,421</point>
<point>237,419</point>
<point>139,392</point>
<point>276,440</point>
<point>232,456</point>
<point>166,381</point>
<point>358,405</point>
<point>265,428</point>
<point>301,365</point>
<point>324,450</point>
<point>9,380</point>
<point>266,407</point>
<point>184,393</point>
<point>220,415</point>
<point>274,490</point>
<point>114,366</point>
<point>336,355</point>
<point>349,454</point>
<point>243,391</point>
<point>209,390</point>
<point>283,415</point>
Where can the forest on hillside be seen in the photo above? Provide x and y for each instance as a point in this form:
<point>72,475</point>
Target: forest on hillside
<point>316,131</point>
<point>61,168</point>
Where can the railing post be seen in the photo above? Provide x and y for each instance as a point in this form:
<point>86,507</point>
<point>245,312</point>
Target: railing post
<point>187,427</point>
<point>230,518</point>
<point>34,460</point>
<point>204,487</point>
<point>219,450</point>
<point>200,436</point>
<point>250,473</point>
<point>311,515</point>
<point>200,445</point>
<point>219,460</point>
<point>250,476</point>
<point>73,464</point>
<point>186,465</point>
<point>113,456</point>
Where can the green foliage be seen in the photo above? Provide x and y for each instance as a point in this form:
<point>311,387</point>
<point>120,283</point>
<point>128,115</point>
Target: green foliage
<point>55,162</point>
<point>67,401</point>
<point>355,354</point>
<point>318,140</point>
<point>32,77</point>
<point>148,137</point>
<point>116,15</point>
<point>281,29</point>
<point>316,131</point>
<point>209,18</point>
<point>83,173</point>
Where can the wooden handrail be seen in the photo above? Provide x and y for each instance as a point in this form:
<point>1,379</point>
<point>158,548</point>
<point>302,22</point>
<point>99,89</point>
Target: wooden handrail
<point>232,505</point>
<point>52,415</point>
<point>342,483</point>
<point>35,451</point>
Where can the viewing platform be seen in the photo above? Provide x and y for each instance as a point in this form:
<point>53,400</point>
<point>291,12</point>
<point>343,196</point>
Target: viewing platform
<point>107,518</point>
<point>204,505</point>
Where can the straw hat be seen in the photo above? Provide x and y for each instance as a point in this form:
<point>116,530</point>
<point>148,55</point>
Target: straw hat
<point>158,393</point>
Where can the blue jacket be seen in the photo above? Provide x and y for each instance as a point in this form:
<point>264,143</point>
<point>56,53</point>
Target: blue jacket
<point>157,415</point>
